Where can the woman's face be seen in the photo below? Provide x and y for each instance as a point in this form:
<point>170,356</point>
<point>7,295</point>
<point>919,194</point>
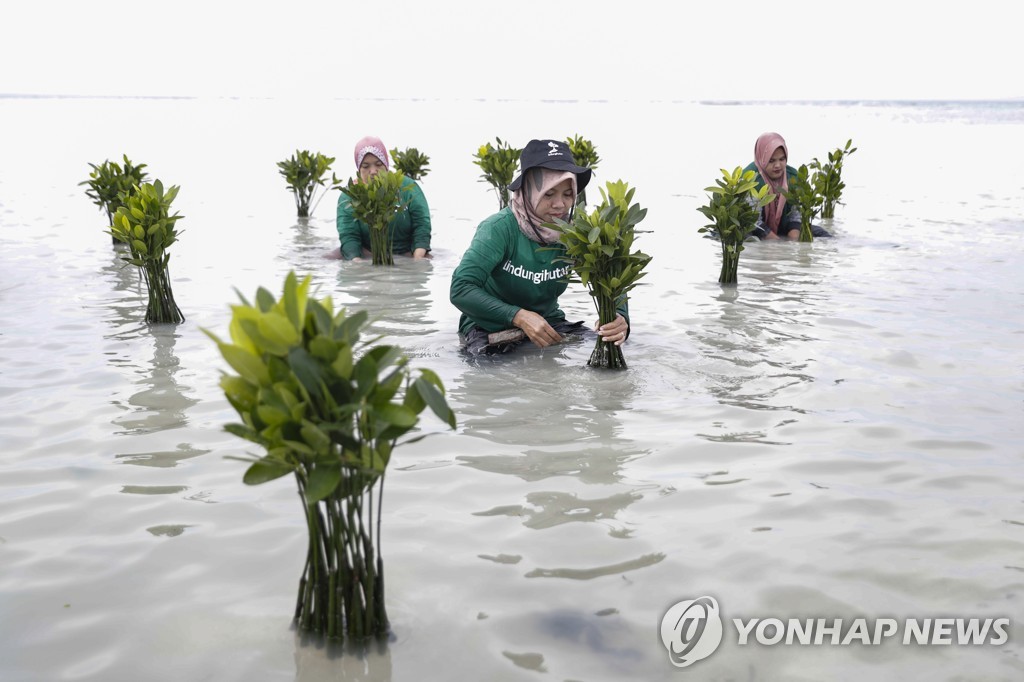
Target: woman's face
<point>776,167</point>
<point>370,166</point>
<point>556,202</point>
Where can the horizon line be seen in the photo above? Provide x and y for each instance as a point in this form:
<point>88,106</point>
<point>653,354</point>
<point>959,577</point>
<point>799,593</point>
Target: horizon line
<point>713,101</point>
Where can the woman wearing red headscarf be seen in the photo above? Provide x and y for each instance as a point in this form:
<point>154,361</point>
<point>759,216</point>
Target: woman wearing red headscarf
<point>779,218</point>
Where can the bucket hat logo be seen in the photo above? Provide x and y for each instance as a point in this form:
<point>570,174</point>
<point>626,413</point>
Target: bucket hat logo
<point>555,149</point>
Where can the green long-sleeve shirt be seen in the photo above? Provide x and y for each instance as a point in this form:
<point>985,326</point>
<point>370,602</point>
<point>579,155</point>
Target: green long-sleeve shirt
<point>410,229</point>
<point>502,271</point>
<point>790,214</point>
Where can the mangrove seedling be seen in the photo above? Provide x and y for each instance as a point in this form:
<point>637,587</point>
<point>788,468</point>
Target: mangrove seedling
<point>584,154</point>
<point>304,172</point>
<point>828,181</point>
<point>499,166</point>
<point>330,409</point>
<point>598,249</point>
<point>412,163</point>
<point>805,198</point>
<point>109,181</point>
<point>144,222</point>
<point>375,203</point>
<point>733,207</point>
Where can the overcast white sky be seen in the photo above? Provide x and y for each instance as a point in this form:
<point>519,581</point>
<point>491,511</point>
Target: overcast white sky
<point>547,49</point>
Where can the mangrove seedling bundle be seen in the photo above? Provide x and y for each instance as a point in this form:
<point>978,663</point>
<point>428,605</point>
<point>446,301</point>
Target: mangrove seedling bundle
<point>109,182</point>
<point>733,207</point>
<point>598,247</point>
<point>805,198</point>
<point>329,409</point>
<point>305,172</point>
<point>375,203</point>
<point>499,166</point>
<point>828,181</point>
<point>411,163</point>
<point>144,222</point>
<point>584,154</point>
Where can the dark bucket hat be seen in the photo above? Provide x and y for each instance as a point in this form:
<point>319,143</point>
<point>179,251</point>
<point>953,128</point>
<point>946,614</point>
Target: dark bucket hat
<point>552,154</point>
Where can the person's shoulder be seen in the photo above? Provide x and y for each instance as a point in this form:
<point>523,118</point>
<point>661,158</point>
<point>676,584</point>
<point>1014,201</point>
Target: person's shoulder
<point>498,226</point>
<point>752,166</point>
<point>413,189</point>
<point>344,201</point>
<point>502,220</point>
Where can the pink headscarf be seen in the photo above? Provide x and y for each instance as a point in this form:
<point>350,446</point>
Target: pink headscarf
<point>371,145</point>
<point>537,182</point>
<point>763,150</point>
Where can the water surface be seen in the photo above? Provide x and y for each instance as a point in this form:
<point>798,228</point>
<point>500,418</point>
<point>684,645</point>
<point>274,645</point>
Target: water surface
<point>838,436</point>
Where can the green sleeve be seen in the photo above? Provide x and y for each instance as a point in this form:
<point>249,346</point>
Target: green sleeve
<point>349,232</point>
<point>419,214</point>
<point>468,293</point>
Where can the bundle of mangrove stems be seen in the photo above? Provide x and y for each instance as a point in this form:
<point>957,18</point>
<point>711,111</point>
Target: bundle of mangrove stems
<point>598,248</point>
<point>733,207</point>
<point>328,409</point>
<point>144,222</point>
<point>376,202</point>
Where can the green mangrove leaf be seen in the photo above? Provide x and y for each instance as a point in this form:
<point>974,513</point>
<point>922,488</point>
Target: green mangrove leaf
<point>264,470</point>
<point>397,415</point>
<point>264,300</point>
<point>323,480</point>
<point>245,363</point>
<point>435,400</point>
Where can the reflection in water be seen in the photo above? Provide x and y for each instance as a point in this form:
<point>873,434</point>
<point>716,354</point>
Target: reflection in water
<point>125,310</point>
<point>317,660</point>
<point>396,297</point>
<point>574,429</point>
<point>759,335</point>
<point>593,465</point>
<point>543,398</point>
<point>168,530</point>
<point>549,509</point>
<point>153,489</point>
<point>161,403</point>
<point>570,421</point>
<point>598,571</point>
<point>308,247</point>
<point>124,276</point>
<point>162,459</point>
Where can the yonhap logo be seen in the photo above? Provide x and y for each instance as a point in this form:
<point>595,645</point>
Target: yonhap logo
<point>691,630</point>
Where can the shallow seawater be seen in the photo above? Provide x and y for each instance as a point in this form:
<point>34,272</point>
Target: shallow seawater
<point>839,436</point>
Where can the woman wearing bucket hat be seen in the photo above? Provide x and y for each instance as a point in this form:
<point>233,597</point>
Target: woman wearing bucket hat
<point>779,218</point>
<point>509,280</point>
<point>410,229</point>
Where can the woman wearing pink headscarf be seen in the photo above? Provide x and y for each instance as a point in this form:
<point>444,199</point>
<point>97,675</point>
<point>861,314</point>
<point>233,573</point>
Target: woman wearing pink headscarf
<point>778,219</point>
<point>410,229</point>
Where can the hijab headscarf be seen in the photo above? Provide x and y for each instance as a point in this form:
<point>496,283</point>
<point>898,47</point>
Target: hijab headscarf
<point>371,145</point>
<point>763,150</point>
<point>527,198</point>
